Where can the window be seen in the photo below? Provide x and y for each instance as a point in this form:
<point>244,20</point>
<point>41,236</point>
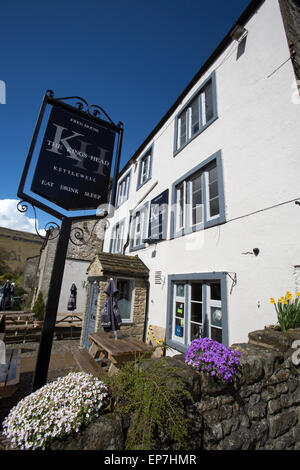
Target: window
<point>125,301</point>
<point>200,111</point>
<point>196,309</point>
<point>197,198</point>
<point>158,217</point>
<point>123,189</point>
<point>138,228</point>
<point>145,168</point>
<point>117,237</point>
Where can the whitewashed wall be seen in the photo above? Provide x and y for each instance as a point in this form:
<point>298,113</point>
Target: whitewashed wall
<point>257,131</point>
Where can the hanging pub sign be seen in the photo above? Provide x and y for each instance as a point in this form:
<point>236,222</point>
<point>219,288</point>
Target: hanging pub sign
<point>74,163</point>
<point>158,221</point>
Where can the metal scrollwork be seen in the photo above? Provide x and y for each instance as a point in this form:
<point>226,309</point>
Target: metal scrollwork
<point>83,105</point>
<point>78,234</point>
<point>51,228</point>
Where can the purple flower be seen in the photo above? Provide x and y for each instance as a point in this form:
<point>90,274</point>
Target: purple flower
<point>205,354</point>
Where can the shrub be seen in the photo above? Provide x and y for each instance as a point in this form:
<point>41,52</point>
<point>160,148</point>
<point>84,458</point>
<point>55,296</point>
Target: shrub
<point>56,410</point>
<point>210,356</point>
<point>154,398</point>
<point>288,311</point>
<point>39,307</point>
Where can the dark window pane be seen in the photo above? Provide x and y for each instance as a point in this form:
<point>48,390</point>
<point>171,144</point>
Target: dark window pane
<point>196,312</point>
<point>212,173</point>
<point>214,206</point>
<point>195,116</point>
<point>215,290</point>
<point>197,291</point>
<point>216,334</point>
<point>208,101</point>
<point>213,189</point>
<point>183,128</point>
<point>196,183</point>
<point>196,331</point>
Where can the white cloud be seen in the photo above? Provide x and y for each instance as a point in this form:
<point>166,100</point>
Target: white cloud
<point>11,217</point>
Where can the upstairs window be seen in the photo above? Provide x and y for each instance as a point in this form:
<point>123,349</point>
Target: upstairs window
<point>123,189</point>
<point>200,111</point>
<point>117,238</point>
<point>198,200</point>
<point>145,168</point>
<point>139,228</point>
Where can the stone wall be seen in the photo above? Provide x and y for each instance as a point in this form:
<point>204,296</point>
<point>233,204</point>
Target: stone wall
<point>76,250</point>
<point>260,410</point>
<point>136,328</point>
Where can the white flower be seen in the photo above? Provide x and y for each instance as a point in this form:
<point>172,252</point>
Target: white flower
<point>57,409</point>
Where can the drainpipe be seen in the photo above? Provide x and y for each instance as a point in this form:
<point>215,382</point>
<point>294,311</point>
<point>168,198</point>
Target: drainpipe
<point>146,310</point>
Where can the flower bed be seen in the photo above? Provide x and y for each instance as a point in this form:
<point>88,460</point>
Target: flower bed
<point>210,356</point>
<point>56,410</point>
<point>288,311</point>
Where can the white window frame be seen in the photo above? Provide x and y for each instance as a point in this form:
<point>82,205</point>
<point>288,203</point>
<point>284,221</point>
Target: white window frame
<point>117,237</point>
<point>206,279</point>
<point>199,98</point>
<point>123,189</point>
<point>185,182</point>
<point>143,226</point>
<point>145,168</point>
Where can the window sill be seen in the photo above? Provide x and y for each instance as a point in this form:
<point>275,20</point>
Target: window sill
<point>139,186</point>
<point>187,231</point>
<point>177,346</point>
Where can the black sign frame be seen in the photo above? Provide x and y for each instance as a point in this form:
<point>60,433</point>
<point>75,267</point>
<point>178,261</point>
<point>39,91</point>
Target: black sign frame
<point>91,114</point>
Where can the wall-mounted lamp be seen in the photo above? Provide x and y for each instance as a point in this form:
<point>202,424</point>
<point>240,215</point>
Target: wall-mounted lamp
<point>238,33</point>
<point>255,252</point>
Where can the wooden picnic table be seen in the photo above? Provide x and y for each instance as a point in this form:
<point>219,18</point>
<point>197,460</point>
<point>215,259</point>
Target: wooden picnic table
<point>118,351</point>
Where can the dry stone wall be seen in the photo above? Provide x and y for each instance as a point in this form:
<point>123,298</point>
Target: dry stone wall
<point>259,411</point>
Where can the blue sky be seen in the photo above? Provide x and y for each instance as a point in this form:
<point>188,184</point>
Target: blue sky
<point>131,57</point>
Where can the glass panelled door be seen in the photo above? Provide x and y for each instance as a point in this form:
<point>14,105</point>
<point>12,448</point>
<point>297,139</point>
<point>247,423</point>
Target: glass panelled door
<point>179,313</point>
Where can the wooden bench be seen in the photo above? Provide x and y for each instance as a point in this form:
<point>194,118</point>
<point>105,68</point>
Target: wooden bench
<point>10,373</point>
<point>86,363</point>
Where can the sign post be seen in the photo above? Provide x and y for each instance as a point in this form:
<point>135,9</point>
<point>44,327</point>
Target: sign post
<point>73,171</point>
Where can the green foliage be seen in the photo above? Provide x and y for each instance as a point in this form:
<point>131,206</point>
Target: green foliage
<point>39,307</point>
<point>155,398</point>
<point>288,311</point>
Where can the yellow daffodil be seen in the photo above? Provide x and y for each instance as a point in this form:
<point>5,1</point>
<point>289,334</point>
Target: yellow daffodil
<point>285,301</point>
<point>272,300</point>
<point>298,294</point>
<point>280,300</point>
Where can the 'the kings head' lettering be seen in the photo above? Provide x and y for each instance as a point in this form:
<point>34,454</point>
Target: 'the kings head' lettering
<point>78,156</point>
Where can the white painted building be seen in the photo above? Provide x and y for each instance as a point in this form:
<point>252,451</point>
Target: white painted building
<point>225,159</point>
